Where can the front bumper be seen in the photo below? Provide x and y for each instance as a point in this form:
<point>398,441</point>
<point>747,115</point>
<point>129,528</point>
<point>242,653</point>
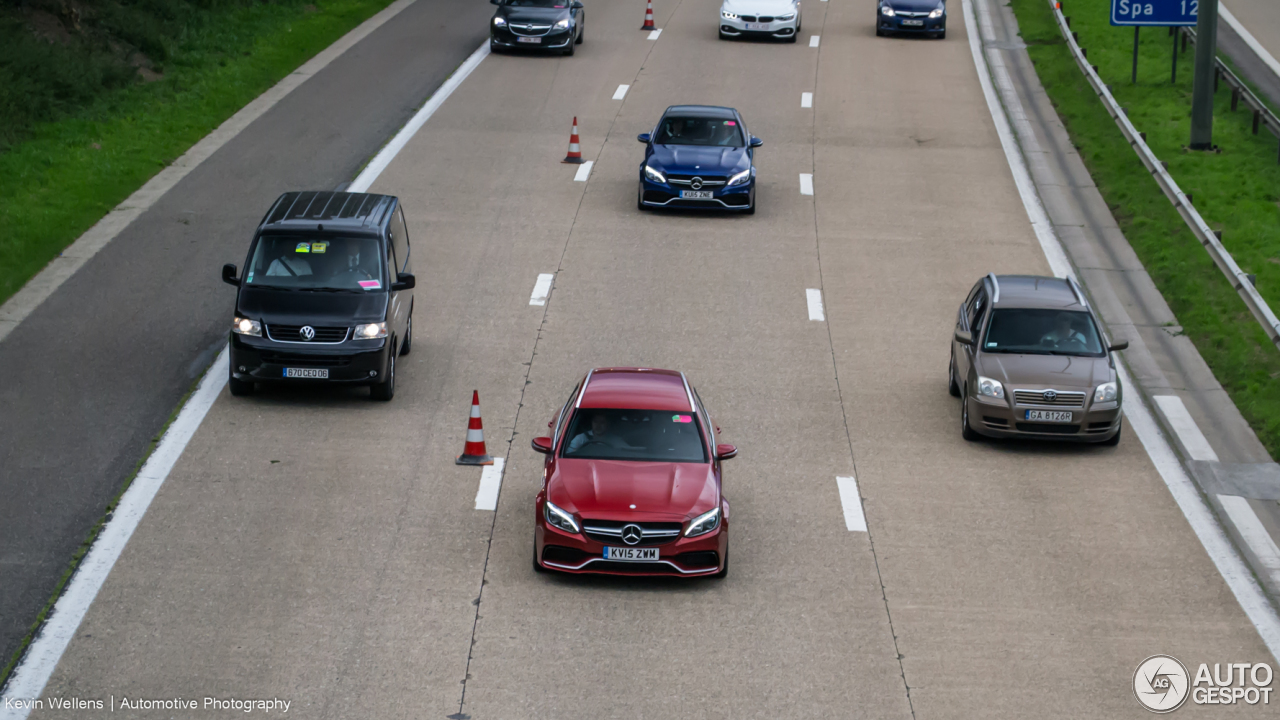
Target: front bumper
<point>357,362</point>
<point>578,554</point>
<point>555,40</point>
<point>660,195</point>
<point>901,24</point>
<point>997,418</point>
<point>774,28</point>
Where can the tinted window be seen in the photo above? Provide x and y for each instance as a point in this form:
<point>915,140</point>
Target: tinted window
<point>538,3</point>
<point>400,238</point>
<point>298,262</point>
<point>1048,332</point>
<point>644,435</point>
<point>699,131</point>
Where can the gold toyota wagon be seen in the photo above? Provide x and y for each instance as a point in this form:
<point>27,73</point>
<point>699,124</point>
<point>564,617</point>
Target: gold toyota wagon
<point>1029,359</point>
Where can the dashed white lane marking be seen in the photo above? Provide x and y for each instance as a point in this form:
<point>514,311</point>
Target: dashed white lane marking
<point>1188,432</point>
<point>1254,534</point>
<point>584,171</point>
<point>541,289</point>
<point>813,41</point>
<point>814,298</point>
<point>621,92</point>
<point>854,519</point>
<point>806,184</point>
<point>806,99</point>
<point>490,484</point>
<point>654,35</point>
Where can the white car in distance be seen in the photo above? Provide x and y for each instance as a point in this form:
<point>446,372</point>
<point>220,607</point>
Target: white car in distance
<point>760,18</point>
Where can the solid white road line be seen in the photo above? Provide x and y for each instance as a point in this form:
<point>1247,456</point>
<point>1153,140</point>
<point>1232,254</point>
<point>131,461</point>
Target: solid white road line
<point>490,484</point>
<point>654,35</point>
<point>31,676</point>
<point>621,92</point>
<point>814,298</point>
<point>541,289</point>
<point>806,99</point>
<point>854,519</point>
<point>813,41</point>
<point>1211,535</point>
<point>37,289</point>
<point>584,171</point>
<point>1188,432</point>
<point>806,184</point>
<point>1254,534</point>
<point>1249,39</point>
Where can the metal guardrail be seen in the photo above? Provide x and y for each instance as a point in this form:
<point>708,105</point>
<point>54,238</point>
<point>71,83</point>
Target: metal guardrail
<point>1181,202</point>
<point>1262,114</point>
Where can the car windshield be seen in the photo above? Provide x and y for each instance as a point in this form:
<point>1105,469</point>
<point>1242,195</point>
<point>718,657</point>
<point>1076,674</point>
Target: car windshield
<point>640,435</point>
<point>1044,332</point>
<point>538,3</point>
<point>343,264</point>
<point>699,131</point>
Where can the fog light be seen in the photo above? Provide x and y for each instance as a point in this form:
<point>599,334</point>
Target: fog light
<point>242,368</point>
<point>373,373</point>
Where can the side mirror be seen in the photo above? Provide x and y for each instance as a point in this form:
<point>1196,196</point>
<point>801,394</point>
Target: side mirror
<point>1122,345</point>
<point>404,281</point>
<point>541,444</point>
<point>229,275</point>
<point>643,137</point>
<point>756,142</point>
<point>726,452</point>
<point>964,336</point>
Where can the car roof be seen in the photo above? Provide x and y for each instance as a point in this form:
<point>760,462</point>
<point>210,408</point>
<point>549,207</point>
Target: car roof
<point>1034,291</point>
<point>337,211</point>
<point>636,388</point>
<point>713,111</point>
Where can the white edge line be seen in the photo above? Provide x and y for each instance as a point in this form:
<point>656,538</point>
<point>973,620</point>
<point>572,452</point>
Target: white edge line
<point>813,41</point>
<point>854,518</point>
<point>541,289</point>
<point>806,99</point>
<point>1211,535</point>
<point>1185,427</point>
<point>1254,534</point>
<point>813,297</point>
<point>365,179</point>
<point>490,485</point>
<point>621,92</point>
<point>1249,39</point>
<point>654,35</point>
<point>584,171</point>
<point>31,676</point>
<point>806,183</point>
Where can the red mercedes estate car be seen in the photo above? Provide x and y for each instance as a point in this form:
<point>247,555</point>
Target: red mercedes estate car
<point>632,480</point>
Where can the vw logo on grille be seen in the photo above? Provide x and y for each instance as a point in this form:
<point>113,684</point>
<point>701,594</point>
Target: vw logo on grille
<point>307,332</point>
<point>632,534</point>
<point>696,183</point>
<point>1050,396</point>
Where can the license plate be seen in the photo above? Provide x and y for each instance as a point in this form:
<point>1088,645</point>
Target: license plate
<point>757,26</point>
<point>695,194</point>
<point>914,23</point>
<point>1057,416</point>
<point>631,554</point>
<point>535,41</point>
<point>318,373</point>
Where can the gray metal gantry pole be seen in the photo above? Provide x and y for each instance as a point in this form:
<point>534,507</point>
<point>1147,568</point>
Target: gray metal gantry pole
<point>1202,90</point>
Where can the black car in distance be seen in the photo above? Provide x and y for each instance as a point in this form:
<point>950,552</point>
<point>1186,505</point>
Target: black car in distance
<point>536,25</point>
<point>326,294</point>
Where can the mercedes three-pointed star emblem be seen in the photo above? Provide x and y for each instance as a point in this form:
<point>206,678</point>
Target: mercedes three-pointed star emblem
<point>631,534</point>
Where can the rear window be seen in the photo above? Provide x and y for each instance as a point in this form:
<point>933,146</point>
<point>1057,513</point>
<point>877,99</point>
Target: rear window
<point>699,131</point>
<point>1042,332</point>
<point>639,435</point>
<point>298,262</point>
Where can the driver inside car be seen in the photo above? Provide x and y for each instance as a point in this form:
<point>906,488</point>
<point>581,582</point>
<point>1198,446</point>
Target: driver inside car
<point>598,433</point>
<point>1062,332</point>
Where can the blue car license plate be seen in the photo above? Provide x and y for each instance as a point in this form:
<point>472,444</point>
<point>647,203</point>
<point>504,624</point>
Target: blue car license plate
<point>534,40</point>
<point>695,194</point>
<point>913,23</point>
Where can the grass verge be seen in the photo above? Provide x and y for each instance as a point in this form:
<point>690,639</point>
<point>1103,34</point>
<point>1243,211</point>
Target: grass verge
<point>1236,190</point>
<point>66,173</point>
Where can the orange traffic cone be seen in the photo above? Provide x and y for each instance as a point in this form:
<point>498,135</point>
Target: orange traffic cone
<point>648,17</point>
<point>474,453</point>
<point>575,152</point>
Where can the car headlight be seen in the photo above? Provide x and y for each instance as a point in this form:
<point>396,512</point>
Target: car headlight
<point>562,24</point>
<point>704,523</point>
<point>499,22</point>
<point>989,387</point>
<point>792,16</point>
<point>1107,392</point>
<point>728,15</point>
<point>937,13</point>
<point>245,326</point>
<point>558,518</point>
<point>886,11</point>
<point>740,178</point>
<point>653,175</point>
<point>372,331</point>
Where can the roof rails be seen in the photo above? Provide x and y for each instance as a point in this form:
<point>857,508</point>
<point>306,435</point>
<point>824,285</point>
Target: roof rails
<point>1075,290</point>
<point>995,288</point>
<point>692,408</point>
<point>583,391</point>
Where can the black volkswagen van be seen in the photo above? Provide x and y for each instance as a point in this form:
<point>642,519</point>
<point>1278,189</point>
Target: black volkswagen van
<point>326,294</point>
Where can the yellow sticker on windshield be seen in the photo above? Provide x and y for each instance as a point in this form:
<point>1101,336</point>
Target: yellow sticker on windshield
<point>303,247</point>
<point>319,247</point>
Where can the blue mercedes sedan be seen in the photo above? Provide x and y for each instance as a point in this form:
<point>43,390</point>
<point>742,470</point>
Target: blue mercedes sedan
<point>699,156</point>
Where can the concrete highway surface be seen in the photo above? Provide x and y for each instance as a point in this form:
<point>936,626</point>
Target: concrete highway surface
<point>315,546</point>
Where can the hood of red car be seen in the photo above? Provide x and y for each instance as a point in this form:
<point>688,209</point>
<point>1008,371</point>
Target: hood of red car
<point>606,489</point>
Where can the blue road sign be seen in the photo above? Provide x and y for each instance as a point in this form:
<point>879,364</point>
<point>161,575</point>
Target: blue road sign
<point>1154,12</point>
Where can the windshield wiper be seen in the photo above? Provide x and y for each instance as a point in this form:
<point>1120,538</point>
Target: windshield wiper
<point>329,289</point>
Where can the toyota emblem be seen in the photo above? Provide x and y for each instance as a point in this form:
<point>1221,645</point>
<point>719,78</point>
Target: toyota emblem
<point>307,333</point>
<point>696,184</point>
<point>1050,396</point>
<point>632,534</point>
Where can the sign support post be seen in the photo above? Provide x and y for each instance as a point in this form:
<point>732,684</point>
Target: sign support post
<point>1203,87</point>
<point>1136,28</point>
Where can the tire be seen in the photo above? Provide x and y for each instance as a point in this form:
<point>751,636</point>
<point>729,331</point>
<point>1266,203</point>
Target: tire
<point>406,345</point>
<point>240,388</point>
<point>942,35</point>
<point>722,35</point>
<point>582,33</point>
<point>879,32</point>
<point>793,37</point>
<point>953,386</point>
<point>966,431</point>
<point>386,389</point>
<point>1114,440</point>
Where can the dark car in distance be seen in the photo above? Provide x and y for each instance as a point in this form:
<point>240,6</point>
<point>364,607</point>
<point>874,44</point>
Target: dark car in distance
<point>699,156</point>
<point>927,17</point>
<point>536,25</point>
<point>326,295</point>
